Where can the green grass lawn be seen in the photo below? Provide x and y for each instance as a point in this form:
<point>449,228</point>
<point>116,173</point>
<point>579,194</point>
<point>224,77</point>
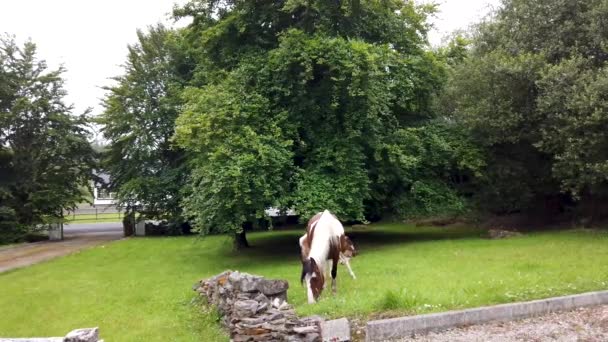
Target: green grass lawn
<point>139,289</point>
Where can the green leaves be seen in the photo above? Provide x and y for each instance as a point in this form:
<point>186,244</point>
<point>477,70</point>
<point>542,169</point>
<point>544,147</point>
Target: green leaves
<point>531,92</point>
<point>292,102</point>
<point>241,159</point>
<point>573,98</point>
<point>45,155</point>
<point>424,170</point>
<point>138,121</point>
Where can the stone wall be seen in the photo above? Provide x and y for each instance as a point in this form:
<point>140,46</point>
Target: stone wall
<point>78,335</point>
<point>255,309</point>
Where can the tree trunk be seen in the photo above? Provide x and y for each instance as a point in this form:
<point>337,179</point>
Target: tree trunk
<point>240,240</point>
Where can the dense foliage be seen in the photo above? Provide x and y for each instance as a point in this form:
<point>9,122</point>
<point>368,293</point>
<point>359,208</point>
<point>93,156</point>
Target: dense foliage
<point>312,105</point>
<point>533,90</point>
<point>45,158</point>
<point>315,105</point>
<point>146,170</point>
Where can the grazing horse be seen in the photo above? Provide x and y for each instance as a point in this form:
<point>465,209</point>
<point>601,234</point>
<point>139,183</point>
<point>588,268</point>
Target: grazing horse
<point>347,248</point>
<point>320,246</point>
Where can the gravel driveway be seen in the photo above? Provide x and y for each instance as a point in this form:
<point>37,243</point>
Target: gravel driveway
<point>586,324</point>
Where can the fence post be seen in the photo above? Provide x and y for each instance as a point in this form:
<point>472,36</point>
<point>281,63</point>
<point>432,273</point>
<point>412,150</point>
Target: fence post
<point>55,231</point>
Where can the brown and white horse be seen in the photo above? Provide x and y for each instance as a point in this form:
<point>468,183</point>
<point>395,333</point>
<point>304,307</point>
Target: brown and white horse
<point>321,245</point>
<point>347,247</point>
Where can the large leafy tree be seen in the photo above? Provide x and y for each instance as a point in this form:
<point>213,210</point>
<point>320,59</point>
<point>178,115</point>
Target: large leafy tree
<point>533,92</point>
<point>46,158</point>
<point>241,157</point>
<point>146,170</point>
<point>308,105</point>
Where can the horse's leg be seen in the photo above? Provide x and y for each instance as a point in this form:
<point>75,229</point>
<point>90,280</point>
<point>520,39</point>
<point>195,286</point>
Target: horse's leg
<point>347,263</point>
<point>334,273</point>
<point>326,271</point>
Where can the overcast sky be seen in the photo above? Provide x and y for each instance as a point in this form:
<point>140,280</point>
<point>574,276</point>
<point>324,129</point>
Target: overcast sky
<point>90,37</point>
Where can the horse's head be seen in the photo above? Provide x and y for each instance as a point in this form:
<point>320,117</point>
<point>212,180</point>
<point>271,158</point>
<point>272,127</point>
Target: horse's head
<point>347,248</point>
<point>313,276</point>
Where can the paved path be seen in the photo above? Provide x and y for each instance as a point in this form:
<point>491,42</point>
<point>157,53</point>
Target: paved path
<point>77,237</point>
<point>585,324</point>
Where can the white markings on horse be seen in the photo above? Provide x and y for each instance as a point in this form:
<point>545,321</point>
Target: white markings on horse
<point>322,243</point>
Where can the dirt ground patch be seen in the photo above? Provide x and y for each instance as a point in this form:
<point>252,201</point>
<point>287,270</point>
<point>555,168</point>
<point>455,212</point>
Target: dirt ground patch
<point>27,254</point>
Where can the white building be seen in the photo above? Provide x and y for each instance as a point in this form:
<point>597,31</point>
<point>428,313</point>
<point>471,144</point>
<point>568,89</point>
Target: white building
<point>101,195</point>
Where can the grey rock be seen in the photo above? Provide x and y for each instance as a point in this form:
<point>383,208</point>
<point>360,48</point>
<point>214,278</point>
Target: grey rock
<point>310,320</point>
<point>234,276</point>
<point>262,307</point>
<point>244,296</point>
<point>282,296</point>
<point>273,287</point>
<point>290,314</point>
<point>34,339</point>
<point>280,321</point>
<point>261,298</point>
<point>277,336</point>
<point>253,320</point>
<point>216,278</point>
<point>276,328</point>
<point>263,337</point>
<point>241,327</point>
<point>247,284</point>
<point>337,330</point>
<point>245,308</point>
<point>275,315</point>
<point>83,335</point>
<point>306,330</point>
<point>313,337</point>
<point>240,338</point>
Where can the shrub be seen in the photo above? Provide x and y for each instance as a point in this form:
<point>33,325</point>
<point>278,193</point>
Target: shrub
<point>10,230</point>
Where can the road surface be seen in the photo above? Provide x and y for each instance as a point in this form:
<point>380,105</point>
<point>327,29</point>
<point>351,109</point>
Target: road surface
<point>77,236</point>
<point>88,229</point>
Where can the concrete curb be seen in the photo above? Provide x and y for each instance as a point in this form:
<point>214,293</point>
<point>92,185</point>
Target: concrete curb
<point>393,328</point>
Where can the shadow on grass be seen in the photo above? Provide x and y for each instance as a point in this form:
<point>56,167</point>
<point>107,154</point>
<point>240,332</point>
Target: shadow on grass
<point>283,245</point>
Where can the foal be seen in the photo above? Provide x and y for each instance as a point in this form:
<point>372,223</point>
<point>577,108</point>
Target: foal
<point>347,251</point>
<point>320,246</point>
